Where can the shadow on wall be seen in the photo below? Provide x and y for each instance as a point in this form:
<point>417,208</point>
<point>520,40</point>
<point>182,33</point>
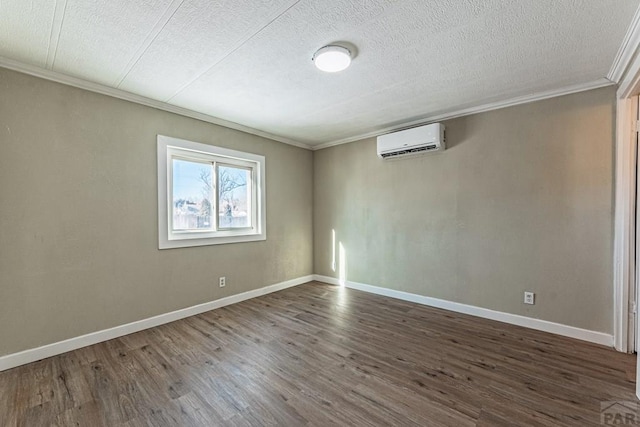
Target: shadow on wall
<point>455,135</point>
<point>613,161</point>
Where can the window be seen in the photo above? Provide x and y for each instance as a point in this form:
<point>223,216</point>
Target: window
<point>208,195</point>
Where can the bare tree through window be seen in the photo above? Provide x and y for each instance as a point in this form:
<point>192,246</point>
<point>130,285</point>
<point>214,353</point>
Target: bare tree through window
<point>191,206</point>
<point>232,195</point>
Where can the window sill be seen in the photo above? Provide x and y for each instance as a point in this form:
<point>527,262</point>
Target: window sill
<point>222,240</point>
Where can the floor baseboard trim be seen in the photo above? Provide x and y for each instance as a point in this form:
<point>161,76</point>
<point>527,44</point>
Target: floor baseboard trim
<point>514,319</point>
<point>31,355</point>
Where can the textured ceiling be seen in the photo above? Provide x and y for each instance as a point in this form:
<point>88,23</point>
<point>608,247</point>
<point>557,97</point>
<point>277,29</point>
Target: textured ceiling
<point>249,61</point>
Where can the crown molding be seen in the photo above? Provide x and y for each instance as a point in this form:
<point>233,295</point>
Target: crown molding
<point>142,100</point>
<point>629,68</point>
<point>138,99</point>
<point>539,96</point>
<point>627,50</point>
<point>630,84</point>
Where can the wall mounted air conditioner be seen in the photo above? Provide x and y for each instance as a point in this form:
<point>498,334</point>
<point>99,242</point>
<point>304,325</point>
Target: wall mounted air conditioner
<point>420,140</point>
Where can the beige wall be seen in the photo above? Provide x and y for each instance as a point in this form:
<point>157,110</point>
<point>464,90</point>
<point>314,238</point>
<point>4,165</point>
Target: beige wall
<point>521,200</point>
<point>78,215</point>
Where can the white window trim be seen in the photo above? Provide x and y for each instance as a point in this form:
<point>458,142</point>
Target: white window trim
<point>167,239</point>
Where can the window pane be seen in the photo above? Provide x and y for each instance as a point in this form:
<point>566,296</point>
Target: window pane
<point>234,197</point>
<point>192,195</point>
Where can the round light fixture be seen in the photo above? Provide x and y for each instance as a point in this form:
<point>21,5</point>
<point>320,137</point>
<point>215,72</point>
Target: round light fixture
<point>332,58</point>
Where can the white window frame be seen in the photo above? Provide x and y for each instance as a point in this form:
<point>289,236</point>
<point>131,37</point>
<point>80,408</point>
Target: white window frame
<point>170,148</point>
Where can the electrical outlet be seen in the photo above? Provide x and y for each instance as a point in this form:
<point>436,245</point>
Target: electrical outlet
<point>529,298</point>
<point>223,282</point>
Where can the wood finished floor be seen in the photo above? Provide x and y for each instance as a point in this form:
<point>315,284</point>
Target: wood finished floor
<point>322,355</point>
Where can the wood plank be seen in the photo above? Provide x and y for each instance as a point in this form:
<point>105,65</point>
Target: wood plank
<point>322,355</point>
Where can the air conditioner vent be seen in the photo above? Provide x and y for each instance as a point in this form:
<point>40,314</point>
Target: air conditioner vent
<point>410,151</point>
<point>423,139</point>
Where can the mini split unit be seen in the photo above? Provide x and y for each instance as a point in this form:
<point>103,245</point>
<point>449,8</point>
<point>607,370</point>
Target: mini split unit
<point>419,140</point>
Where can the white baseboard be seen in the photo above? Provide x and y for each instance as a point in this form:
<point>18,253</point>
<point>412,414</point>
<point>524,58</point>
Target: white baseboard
<point>27,356</point>
<point>514,319</point>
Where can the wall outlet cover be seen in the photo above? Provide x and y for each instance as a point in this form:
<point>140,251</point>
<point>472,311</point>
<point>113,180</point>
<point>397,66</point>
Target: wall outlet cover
<point>529,298</point>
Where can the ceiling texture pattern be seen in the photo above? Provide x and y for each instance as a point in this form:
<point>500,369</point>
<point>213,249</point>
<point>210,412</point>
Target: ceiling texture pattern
<point>249,61</point>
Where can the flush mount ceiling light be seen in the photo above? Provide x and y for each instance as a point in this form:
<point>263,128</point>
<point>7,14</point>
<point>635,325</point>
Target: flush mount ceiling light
<point>332,58</point>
